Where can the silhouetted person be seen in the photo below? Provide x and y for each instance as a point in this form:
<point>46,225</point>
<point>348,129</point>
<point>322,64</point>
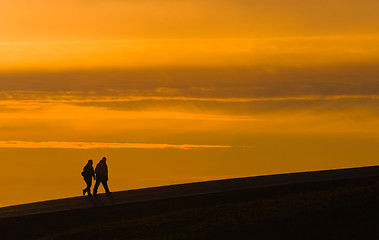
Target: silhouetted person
<point>101,171</point>
<point>88,173</point>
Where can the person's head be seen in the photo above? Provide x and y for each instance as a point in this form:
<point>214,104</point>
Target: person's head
<point>90,162</point>
<point>104,159</point>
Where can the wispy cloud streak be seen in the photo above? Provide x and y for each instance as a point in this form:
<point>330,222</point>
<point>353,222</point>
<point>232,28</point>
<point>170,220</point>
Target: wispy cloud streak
<point>105,99</point>
<point>99,145</point>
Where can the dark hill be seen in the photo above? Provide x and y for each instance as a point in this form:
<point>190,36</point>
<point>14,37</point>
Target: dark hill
<point>334,204</point>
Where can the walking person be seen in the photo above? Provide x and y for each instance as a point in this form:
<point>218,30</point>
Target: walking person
<point>87,174</point>
<point>101,171</point>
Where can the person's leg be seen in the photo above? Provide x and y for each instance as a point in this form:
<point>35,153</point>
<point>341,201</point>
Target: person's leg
<point>96,187</point>
<point>89,184</point>
<point>105,185</point>
<point>87,189</point>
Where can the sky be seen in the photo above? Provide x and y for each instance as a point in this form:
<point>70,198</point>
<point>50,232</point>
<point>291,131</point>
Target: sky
<point>183,91</point>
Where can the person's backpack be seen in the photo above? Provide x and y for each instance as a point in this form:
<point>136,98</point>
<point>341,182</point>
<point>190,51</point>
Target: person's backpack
<point>83,173</point>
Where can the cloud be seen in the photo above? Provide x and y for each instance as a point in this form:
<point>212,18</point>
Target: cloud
<point>99,145</point>
<point>38,97</point>
<point>197,83</point>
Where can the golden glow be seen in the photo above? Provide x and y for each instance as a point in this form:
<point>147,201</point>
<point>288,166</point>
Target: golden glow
<point>303,51</point>
<point>47,20</point>
<point>94,145</point>
<point>180,91</point>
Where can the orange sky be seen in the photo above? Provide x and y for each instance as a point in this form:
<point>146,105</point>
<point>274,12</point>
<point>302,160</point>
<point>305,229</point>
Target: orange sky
<point>183,91</point>
<point>48,20</point>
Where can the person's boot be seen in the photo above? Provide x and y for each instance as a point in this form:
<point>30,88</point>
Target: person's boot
<point>84,191</point>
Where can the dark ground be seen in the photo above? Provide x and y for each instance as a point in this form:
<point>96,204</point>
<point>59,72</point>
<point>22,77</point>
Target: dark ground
<point>335,209</point>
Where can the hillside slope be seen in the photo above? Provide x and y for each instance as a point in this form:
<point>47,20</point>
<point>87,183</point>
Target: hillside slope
<point>338,204</point>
